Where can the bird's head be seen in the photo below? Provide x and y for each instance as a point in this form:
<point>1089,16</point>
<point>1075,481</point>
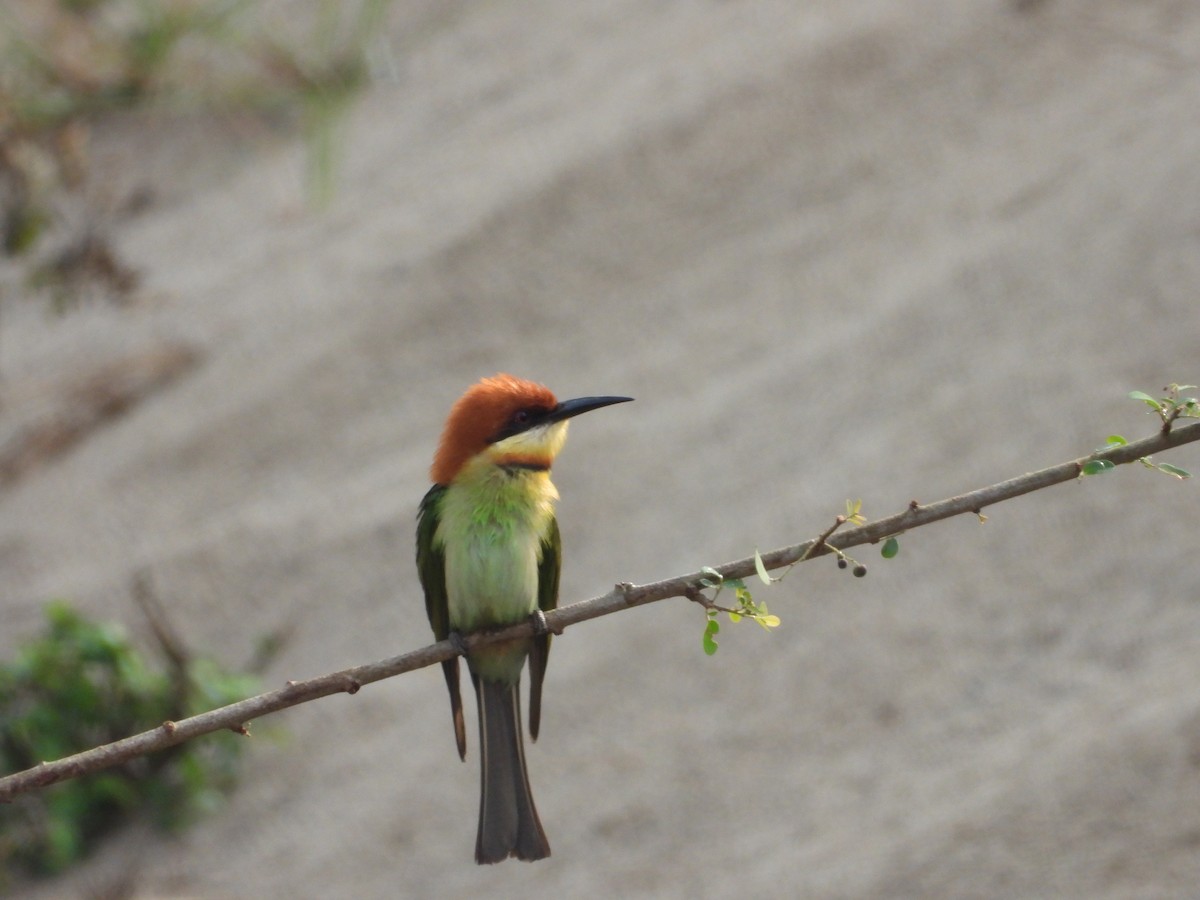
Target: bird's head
<point>511,422</point>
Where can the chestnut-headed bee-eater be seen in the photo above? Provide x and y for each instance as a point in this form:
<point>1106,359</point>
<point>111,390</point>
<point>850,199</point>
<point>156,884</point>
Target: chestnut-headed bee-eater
<point>488,554</point>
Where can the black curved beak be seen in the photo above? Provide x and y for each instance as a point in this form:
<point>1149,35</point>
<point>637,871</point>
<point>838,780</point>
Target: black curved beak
<point>571,408</point>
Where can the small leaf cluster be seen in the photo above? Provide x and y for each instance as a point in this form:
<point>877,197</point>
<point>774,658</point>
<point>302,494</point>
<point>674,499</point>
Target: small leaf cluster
<point>747,607</point>
<point>83,684</point>
<point>854,514</point>
<point>1168,408</point>
<point>1172,405</point>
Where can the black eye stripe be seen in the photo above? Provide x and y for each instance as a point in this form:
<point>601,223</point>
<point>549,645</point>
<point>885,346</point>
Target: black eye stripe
<point>526,416</point>
<point>521,420</point>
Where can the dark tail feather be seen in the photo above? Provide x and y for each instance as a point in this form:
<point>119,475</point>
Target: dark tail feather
<point>450,670</point>
<point>508,821</point>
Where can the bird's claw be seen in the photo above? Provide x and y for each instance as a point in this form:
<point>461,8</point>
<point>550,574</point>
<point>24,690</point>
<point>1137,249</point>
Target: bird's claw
<point>538,619</point>
<point>457,642</point>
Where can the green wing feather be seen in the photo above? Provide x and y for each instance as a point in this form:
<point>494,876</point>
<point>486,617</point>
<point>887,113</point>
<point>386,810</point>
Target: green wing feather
<point>549,567</point>
<point>431,568</point>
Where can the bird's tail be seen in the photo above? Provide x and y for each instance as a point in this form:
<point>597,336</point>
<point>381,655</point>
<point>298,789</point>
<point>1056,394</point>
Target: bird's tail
<point>508,820</point>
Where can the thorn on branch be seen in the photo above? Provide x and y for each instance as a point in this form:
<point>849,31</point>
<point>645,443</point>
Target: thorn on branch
<point>243,729</point>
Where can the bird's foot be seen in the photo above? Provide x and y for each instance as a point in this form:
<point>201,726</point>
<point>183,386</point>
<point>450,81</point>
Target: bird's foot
<point>538,619</point>
<point>457,642</point>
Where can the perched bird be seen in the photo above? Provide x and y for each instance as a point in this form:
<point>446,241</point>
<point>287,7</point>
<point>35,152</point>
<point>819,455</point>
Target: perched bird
<point>488,554</point>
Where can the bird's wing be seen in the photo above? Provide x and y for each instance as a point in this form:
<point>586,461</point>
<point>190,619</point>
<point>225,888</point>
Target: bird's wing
<point>431,567</point>
<point>549,567</point>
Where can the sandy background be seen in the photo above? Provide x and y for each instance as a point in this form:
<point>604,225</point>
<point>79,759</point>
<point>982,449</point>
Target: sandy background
<point>891,249</point>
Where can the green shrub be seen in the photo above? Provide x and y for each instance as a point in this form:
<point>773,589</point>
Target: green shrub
<point>83,684</point>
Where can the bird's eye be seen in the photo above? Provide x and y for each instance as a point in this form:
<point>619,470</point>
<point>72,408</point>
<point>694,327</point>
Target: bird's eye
<point>521,417</point>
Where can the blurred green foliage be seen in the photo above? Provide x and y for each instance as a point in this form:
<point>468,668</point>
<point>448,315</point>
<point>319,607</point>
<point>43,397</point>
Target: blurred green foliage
<point>65,64</point>
<point>83,684</point>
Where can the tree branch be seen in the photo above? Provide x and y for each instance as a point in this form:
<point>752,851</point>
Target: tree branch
<point>236,716</point>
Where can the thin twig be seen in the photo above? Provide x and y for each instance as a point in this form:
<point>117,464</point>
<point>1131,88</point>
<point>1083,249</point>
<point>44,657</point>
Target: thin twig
<point>236,716</point>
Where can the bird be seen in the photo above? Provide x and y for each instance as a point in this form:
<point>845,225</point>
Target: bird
<point>489,555</point>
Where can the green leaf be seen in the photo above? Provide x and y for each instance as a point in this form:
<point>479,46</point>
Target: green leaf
<point>735,617</point>
<point>890,548</point>
<point>1116,440</point>
<point>768,622</point>
<point>713,579</point>
<point>1096,466</point>
<point>760,568</point>
<point>1144,397</point>
<point>710,639</point>
<point>1174,470</point>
